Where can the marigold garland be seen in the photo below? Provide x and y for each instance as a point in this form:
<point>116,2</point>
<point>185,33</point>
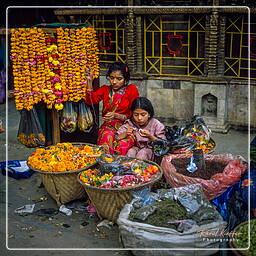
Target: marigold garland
<point>63,157</point>
<point>49,69</point>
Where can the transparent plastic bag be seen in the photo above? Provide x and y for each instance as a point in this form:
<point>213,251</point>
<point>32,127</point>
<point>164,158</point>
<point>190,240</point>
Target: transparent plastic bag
<point>30,132</point>
<point>85,117</point>
<point>68,117</point>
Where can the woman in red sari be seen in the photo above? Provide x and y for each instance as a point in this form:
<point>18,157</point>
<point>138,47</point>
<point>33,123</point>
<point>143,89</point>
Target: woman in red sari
<point>117,99</point>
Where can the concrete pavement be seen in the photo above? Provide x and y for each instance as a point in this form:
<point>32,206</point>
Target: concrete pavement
<point>36,232</point>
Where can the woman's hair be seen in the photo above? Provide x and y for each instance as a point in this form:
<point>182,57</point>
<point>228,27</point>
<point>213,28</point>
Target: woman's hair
<point>122,67</point>
<point>143,103</point>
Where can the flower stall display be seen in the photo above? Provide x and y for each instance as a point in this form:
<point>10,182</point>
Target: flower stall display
<point>110,183</point>
<point>64,157</point>
<point>93,177</point>
<point>52,69</point>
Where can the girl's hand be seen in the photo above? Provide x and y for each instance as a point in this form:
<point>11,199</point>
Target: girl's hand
<point>130,130</point>
<point>144,133</point>
<point>109,117</point>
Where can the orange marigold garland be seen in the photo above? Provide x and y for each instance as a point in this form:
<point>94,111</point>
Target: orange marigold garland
<point>27,48</point>
<point>50,70</point>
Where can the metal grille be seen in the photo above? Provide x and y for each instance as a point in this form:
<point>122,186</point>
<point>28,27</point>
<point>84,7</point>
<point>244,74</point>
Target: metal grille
<point>236,50</point>
<point>172,45</point>
<point>111,33</point>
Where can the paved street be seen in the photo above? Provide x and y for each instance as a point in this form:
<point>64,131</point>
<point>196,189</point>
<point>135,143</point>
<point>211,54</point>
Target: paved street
<point>57,230</point>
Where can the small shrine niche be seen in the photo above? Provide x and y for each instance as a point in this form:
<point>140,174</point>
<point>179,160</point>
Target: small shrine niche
<point>209,105</point>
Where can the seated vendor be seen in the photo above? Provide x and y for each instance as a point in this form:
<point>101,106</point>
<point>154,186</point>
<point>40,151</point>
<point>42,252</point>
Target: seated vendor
<point>135,137</point>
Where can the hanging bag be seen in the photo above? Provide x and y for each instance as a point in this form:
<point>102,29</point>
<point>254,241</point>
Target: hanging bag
<point>30,132</point>
<point>68,121</point>
<point>85,117</point>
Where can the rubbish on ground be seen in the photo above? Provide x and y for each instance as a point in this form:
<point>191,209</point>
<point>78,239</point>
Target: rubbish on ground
<point>46,212</point>
<point>16,169</point>
<point>28,208</point>
<point>105,223</point>
<point>66,225</point>
<point>65,210</point>
<point>90,208</point>
<point>78,205</point>
<point>85,223</point>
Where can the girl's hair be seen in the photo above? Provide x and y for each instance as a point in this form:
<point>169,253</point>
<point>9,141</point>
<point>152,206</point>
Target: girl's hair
<point>143,103</point>
<point>122,67</point>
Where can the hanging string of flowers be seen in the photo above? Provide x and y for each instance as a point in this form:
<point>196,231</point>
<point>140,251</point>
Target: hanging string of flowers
<point>78,49</point>
<point>27,50</point>
<point>52,70</point>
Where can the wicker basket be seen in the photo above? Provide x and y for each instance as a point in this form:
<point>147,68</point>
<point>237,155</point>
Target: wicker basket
<point>232,245</point>
<point>63,186</point>
<point>109,202</point>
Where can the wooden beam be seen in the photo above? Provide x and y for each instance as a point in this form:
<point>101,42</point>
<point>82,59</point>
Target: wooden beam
<point>91,11</point>
<point>55,126</point>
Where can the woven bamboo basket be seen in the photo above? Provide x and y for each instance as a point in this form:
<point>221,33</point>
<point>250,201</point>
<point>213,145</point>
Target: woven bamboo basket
<point>108,202</point>
<point>63,186</point>
<point>234,247</point>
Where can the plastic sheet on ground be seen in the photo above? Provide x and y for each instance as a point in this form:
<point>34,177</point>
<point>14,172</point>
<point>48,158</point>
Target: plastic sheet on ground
<point>140,235</point>
<point>219,182</point>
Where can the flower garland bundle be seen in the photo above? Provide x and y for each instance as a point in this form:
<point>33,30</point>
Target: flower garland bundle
<point>91,177</point>
<point>79,51</point>
<point>53,72</point>
<point>55,88</point>
<point>28,49</point>
<point>63,157</point>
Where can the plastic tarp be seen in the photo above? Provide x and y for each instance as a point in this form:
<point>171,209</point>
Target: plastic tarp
<point>219,182</point>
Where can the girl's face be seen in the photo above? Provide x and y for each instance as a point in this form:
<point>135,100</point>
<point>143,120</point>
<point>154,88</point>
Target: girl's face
<point>141,117</point>
<point>116,79</point>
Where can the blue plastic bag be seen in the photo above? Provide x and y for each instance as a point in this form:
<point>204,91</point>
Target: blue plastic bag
<point>16,169</point>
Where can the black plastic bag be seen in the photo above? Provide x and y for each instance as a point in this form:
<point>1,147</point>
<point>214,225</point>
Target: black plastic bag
<point>30,132</point>
<point>161,147</point>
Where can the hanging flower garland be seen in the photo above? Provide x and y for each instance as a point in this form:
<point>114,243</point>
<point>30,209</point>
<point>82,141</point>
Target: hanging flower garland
<point>27,48</point>
<point>53,72</point>
<point>79,51</point>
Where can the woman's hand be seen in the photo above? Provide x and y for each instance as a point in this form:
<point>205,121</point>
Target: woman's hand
<point>110,116</point>
<point>88,74</point>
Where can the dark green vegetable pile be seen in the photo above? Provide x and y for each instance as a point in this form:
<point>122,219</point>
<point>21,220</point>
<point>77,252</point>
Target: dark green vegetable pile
<point>242,237</point>
<point>165,210</point>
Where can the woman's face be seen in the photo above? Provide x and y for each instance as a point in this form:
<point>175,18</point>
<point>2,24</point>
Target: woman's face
<point>116,79</point>
<point>141,117</point>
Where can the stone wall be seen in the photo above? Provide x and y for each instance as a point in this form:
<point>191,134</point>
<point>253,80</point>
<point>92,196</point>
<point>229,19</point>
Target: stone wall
<point>175,100</point>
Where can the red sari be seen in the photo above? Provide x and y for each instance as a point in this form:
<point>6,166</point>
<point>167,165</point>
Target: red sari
<point>119,103</point>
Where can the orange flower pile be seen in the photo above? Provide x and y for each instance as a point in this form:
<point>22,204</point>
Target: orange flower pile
<point>52,70</point>
<point>63,157</point>
<point>78,51</point>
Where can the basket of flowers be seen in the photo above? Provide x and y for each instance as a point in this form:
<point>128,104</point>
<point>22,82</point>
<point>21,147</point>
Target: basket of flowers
<point>59,165</point>
<point>110,189</point>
